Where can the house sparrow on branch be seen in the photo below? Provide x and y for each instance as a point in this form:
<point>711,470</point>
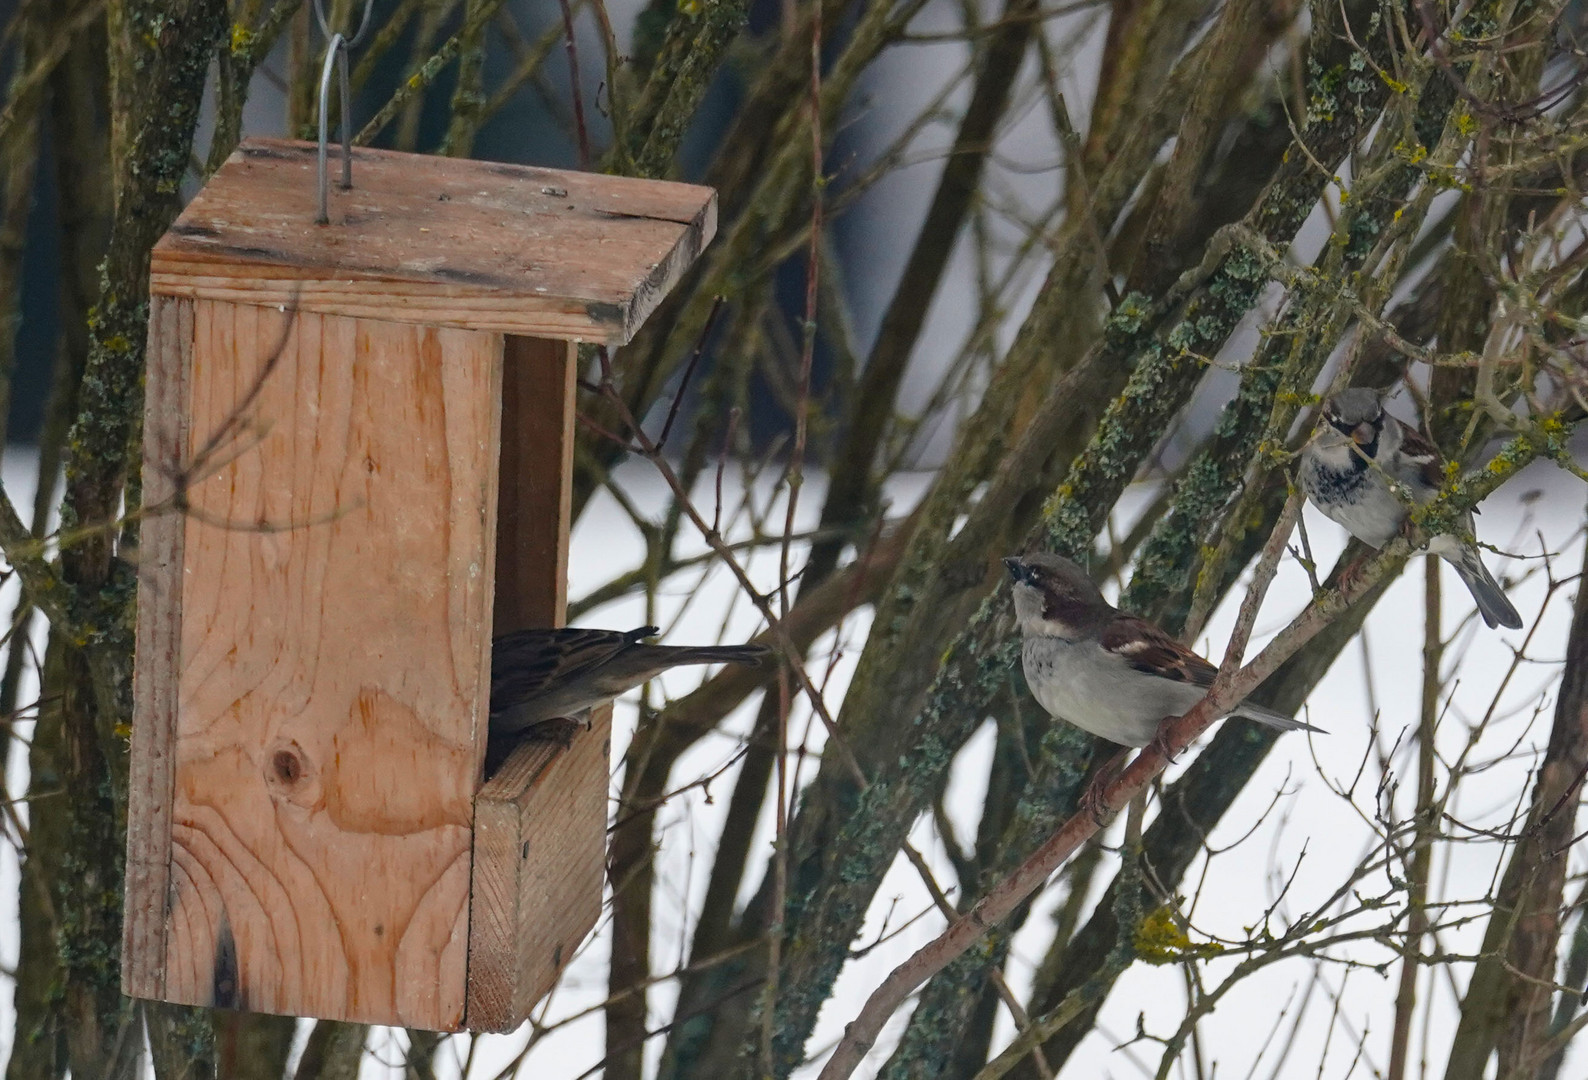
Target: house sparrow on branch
<point>1106,672</point>
<point>542,680</point>
<point>1347,468</point>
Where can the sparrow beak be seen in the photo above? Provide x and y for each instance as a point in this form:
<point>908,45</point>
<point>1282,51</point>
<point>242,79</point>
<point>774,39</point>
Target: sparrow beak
<point>1017,569</point>
<point>1362,434</point>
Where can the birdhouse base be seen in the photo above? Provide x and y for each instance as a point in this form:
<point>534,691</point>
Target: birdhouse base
<point>539,860</point>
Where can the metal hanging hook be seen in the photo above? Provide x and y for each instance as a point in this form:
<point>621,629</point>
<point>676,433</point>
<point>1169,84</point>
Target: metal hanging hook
<point>336,56</point>
<point>363,26</point>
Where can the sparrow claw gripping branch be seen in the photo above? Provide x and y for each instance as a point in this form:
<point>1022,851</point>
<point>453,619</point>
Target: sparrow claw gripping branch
<point>1093,801</point>
<point>1160,740</point>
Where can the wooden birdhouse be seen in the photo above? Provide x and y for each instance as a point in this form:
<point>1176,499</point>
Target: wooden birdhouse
<point>358,453</point>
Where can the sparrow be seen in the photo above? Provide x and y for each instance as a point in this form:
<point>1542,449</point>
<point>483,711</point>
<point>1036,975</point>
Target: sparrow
<point>1346,469</point>
<point>541,680</point>
<point>1106,672</point>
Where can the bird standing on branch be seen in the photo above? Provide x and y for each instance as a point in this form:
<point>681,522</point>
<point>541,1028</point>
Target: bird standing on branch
<point>1106,672</point>
<point>1350,470</point>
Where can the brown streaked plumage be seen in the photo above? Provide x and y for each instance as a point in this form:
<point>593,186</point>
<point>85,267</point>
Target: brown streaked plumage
<point>1106,672</point>
<point>540,676</point>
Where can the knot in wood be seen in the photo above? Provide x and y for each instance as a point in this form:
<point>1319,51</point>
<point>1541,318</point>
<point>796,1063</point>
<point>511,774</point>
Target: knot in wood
<point>290,773</point>
<point>287,766</point>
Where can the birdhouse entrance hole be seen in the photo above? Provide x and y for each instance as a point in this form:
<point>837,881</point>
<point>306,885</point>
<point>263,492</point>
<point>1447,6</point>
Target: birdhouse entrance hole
<point>358,451</point>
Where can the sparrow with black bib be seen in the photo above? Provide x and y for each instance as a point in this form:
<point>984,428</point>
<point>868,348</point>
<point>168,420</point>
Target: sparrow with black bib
<point>1351,469</point>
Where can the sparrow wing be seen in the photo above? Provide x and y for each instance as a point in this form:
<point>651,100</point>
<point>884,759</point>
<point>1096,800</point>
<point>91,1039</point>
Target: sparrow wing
<point>526,663</point>
<point>1148,649</point>
<point>1419,459</point>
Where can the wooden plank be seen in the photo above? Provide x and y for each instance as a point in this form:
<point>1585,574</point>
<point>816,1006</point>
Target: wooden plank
<point>536,498</point>
<point>335,651</point>
<point>436,240</point>
<point>401,302</point>
<point>539,861</point>
<point>156,664</point>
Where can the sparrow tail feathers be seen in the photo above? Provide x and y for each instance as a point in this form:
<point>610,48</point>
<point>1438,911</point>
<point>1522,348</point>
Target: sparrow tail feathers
<point>1492,603</point>
<point>720,654</point>
<point>1270,718</point>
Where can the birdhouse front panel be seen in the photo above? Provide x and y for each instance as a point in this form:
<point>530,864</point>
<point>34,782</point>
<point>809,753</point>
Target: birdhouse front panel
<point>335,625</point>
<point>357,469</point>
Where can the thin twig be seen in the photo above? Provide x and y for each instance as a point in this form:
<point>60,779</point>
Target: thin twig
<point>572,47</point>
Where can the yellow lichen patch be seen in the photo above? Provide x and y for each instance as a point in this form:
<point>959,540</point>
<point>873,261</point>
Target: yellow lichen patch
<point>1160,940</point>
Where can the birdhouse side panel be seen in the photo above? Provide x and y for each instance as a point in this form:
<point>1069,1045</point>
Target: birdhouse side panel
<point>536,495</point>
<point>335,634</point>
<point>159,650</point>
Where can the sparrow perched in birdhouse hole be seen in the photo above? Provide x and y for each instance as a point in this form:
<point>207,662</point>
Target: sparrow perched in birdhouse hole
<point>543,681</point>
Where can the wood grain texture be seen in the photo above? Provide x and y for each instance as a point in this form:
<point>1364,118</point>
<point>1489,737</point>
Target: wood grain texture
<point>435,240</point>
<point>536,500</point>
<point>539,862</point>
<point>335,636</point>
<point>159,639</point>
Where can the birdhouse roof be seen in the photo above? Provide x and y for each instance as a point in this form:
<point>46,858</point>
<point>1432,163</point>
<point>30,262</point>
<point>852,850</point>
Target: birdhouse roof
<point>436,240</point>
